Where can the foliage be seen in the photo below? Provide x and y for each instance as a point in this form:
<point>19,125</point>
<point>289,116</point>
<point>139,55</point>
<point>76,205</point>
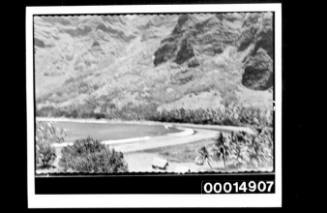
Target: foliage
<point>45,155</point>
<point>231,115</point>
<point>234,116</point>
<point>46,134</point>
<point>108,110</point>
<point>241,149</point>
<point>89,155</point>
<point>204,156</point>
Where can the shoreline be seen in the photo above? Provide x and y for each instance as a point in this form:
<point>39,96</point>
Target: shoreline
<point>146,122</point>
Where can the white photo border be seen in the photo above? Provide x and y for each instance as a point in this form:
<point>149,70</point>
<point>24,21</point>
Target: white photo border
<point>153,200</point>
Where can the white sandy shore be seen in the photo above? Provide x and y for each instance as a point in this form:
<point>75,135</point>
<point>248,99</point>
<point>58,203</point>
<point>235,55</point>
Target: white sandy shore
<point>184,132</point>
<point>133,148</point>
<point>190,133</point>
<point>144,122</point>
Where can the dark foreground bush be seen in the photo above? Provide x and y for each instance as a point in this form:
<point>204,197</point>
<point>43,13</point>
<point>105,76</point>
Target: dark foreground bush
<point>89,155</point>
<point>46,134</point>
<point>45,155</point>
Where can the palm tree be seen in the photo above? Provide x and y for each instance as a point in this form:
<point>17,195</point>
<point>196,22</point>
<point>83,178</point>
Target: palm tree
<point>205,156</point>
<point>221,150</point>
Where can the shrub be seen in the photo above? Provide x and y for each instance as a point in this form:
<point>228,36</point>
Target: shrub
<point>89,155</point>
<point>46,134</point>
<point>45,155</point>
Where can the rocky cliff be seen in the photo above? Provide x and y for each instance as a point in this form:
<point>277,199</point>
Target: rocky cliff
<point>101,63</point>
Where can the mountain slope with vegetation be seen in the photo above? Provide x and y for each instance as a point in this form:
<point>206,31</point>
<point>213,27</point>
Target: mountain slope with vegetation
<point>149,66</point>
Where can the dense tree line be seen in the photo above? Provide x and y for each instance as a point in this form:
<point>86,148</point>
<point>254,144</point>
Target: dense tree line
<point>234,115</point>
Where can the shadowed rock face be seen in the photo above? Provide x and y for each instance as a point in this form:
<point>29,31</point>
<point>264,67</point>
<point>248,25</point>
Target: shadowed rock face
<point>184,53</point>
<point>258,66</point>
<point>193,36</point>
<point>258,73</point>
<point>207,37</point>
<point>193,62</point>
<point>39,43</point>
<point>265,41</point>
<point>165,53</point>
<point>257,30</point>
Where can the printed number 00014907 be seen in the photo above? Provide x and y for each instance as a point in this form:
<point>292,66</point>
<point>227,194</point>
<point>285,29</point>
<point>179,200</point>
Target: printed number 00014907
<point>238,187</point>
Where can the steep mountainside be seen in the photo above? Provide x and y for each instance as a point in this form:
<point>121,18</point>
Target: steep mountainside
<point>103,64</point>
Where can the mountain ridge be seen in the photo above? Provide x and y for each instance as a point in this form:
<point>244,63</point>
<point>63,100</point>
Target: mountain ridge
<point>104,64</point>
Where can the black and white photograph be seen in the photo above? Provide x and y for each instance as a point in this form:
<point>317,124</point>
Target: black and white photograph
<point>156,91</point>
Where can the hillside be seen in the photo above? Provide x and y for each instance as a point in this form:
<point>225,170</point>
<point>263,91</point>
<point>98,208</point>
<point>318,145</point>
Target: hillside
<point>113,65</point>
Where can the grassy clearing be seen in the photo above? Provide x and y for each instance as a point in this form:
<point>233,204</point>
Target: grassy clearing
<point>181,153</point>
<point>229,151</point>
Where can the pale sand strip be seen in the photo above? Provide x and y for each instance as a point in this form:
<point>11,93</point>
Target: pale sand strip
<point>147,143</point>
<point>191,133</point>
<point>113,143</point>
<point>165,141</point>
<point>166,124</point>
